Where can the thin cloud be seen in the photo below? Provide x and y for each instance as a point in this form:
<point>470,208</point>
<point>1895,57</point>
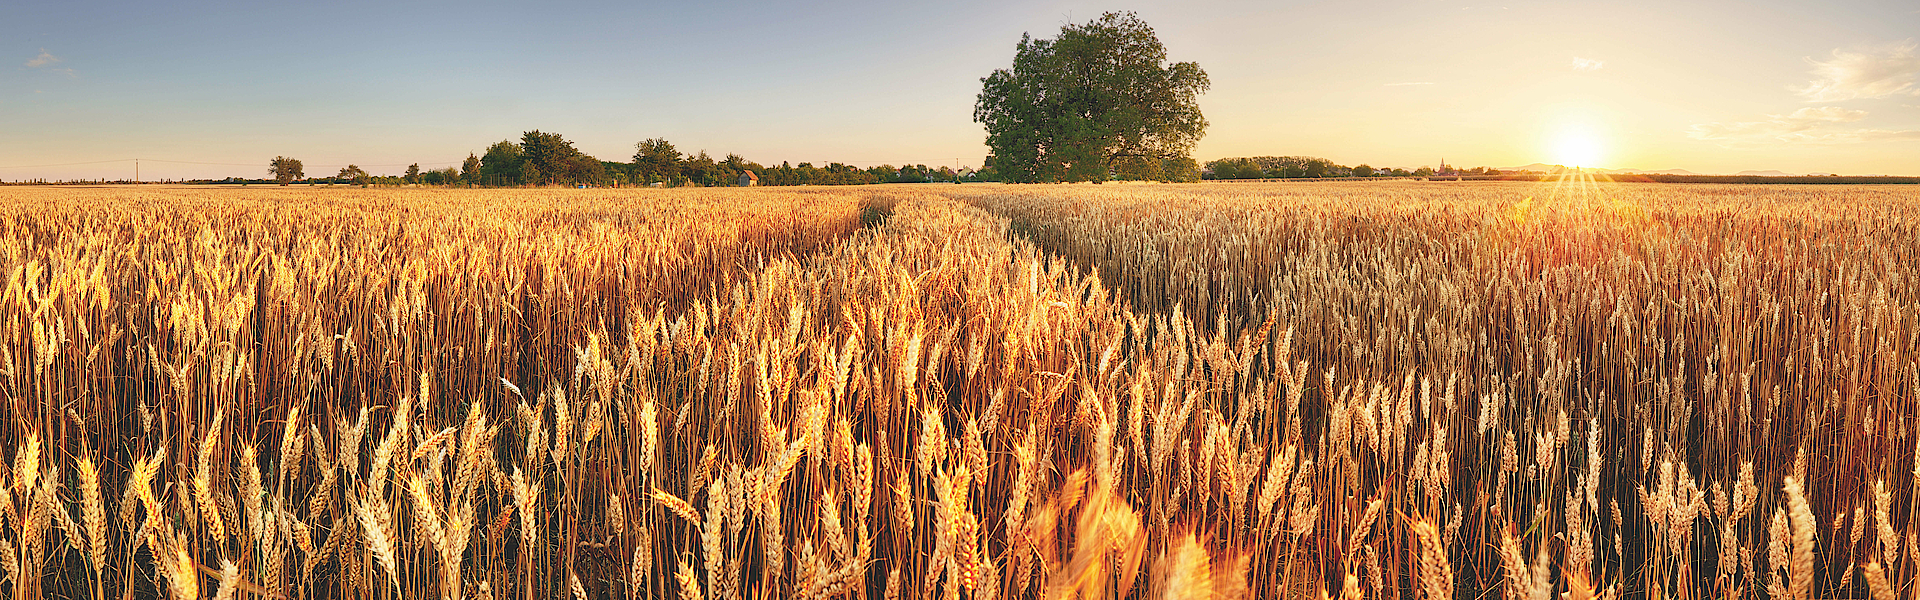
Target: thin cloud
<point>1587,64</point>
<point>45,58</point>
<point>1810,126</point>
<point>1825,114</point>
<point>1866,72</point>
<point>1409,83</point>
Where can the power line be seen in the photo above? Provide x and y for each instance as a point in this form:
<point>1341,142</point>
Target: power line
<point>191,162</point>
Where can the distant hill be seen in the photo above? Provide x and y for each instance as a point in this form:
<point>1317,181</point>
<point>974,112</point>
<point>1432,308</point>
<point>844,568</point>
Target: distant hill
<point>1647,172</point>
<point>1540,167</point>
<point>1547,168</point>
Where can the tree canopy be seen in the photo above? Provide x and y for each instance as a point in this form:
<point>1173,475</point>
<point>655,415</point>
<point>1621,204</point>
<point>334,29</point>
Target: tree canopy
<point>541,158</point>
<point>1294,167</point>
<point>555,160</point>
<point>355,174</point>
<point>1095,98</point>
<point>500,165</point>
<point>286,170</point>
<point>656,160</point>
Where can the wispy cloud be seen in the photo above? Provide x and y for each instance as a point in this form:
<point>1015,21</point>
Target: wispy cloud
<point>45,58</point>
<point>1409,83</point>
<point>1587,64</point>
<point>1865,72</point>
<point>1825,114</point>
<point>1805,126</point>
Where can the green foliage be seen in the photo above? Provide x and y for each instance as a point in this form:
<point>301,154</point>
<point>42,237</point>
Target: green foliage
<point>447,176</point>
<point>1236,168</point>
<point>1074,107</point>
<point>910,174</point>
<point>541,158</point>
<point>286,170</point>
<point>355,175</point>
<point>738,164</point>
<point>807,174</point>
<point>656,160</point>
<point>583,169</point>
<point>554,160</point>
<point>1179,170</point>
<point>700,169</point>
<point>413,173</point>
<point>529,174</point>
<point>1287,167</point>
<point>501,164</point>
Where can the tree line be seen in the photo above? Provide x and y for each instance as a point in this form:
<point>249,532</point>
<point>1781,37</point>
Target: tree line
<point>549,159</point>
<point>1294,167</point>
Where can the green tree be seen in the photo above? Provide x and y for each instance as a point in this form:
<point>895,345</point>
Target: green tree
<point>732,166</point>
<point>1072,107</point>
<point>354,174</point>
<point>700,169</point>
<point>1181,169</point>
<point>585,169</point>
<point>413,173</point>
<point>1137,168</point>
<point>656,160</point>
<point>1363,171</point>
<point>738,164</point>
<point>501,164</point>
<point>529,174</point>
<point>286,170</point>
<point>553,158</point>
<point>470,170</point>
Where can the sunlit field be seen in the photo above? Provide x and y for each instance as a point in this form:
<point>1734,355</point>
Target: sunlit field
<point>1406,390</point>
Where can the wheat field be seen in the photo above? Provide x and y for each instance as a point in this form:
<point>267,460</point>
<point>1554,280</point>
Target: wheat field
<point>1408,390</point>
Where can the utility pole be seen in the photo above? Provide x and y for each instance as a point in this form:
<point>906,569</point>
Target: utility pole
<point>136,170</point>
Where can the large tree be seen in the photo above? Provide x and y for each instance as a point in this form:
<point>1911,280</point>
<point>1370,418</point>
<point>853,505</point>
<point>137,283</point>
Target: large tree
<point>355,174</point>
<point>1097,96</point>
<point>656,160</point>
<point>552,157</point>
<point>501,164</point>
<point>286,170</point>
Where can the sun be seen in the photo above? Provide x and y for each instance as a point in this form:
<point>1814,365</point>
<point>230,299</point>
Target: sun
<point>1578,146</point>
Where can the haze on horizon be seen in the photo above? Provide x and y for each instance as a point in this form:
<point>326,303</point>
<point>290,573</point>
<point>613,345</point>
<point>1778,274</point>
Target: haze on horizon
<point>1711,87</point>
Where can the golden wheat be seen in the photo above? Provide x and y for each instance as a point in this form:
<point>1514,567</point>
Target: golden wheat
<point>1119,391</point>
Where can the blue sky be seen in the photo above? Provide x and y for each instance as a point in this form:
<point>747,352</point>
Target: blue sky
<point>1705,86</point>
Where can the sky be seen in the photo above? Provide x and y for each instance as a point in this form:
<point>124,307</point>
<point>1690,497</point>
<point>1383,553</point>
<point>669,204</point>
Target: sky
<point>210,89</point>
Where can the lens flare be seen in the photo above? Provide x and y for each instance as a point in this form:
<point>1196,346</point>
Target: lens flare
<point>1578,146</point>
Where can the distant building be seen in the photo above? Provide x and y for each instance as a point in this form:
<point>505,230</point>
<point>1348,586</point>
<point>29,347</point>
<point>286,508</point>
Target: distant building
<point>748,179</point>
